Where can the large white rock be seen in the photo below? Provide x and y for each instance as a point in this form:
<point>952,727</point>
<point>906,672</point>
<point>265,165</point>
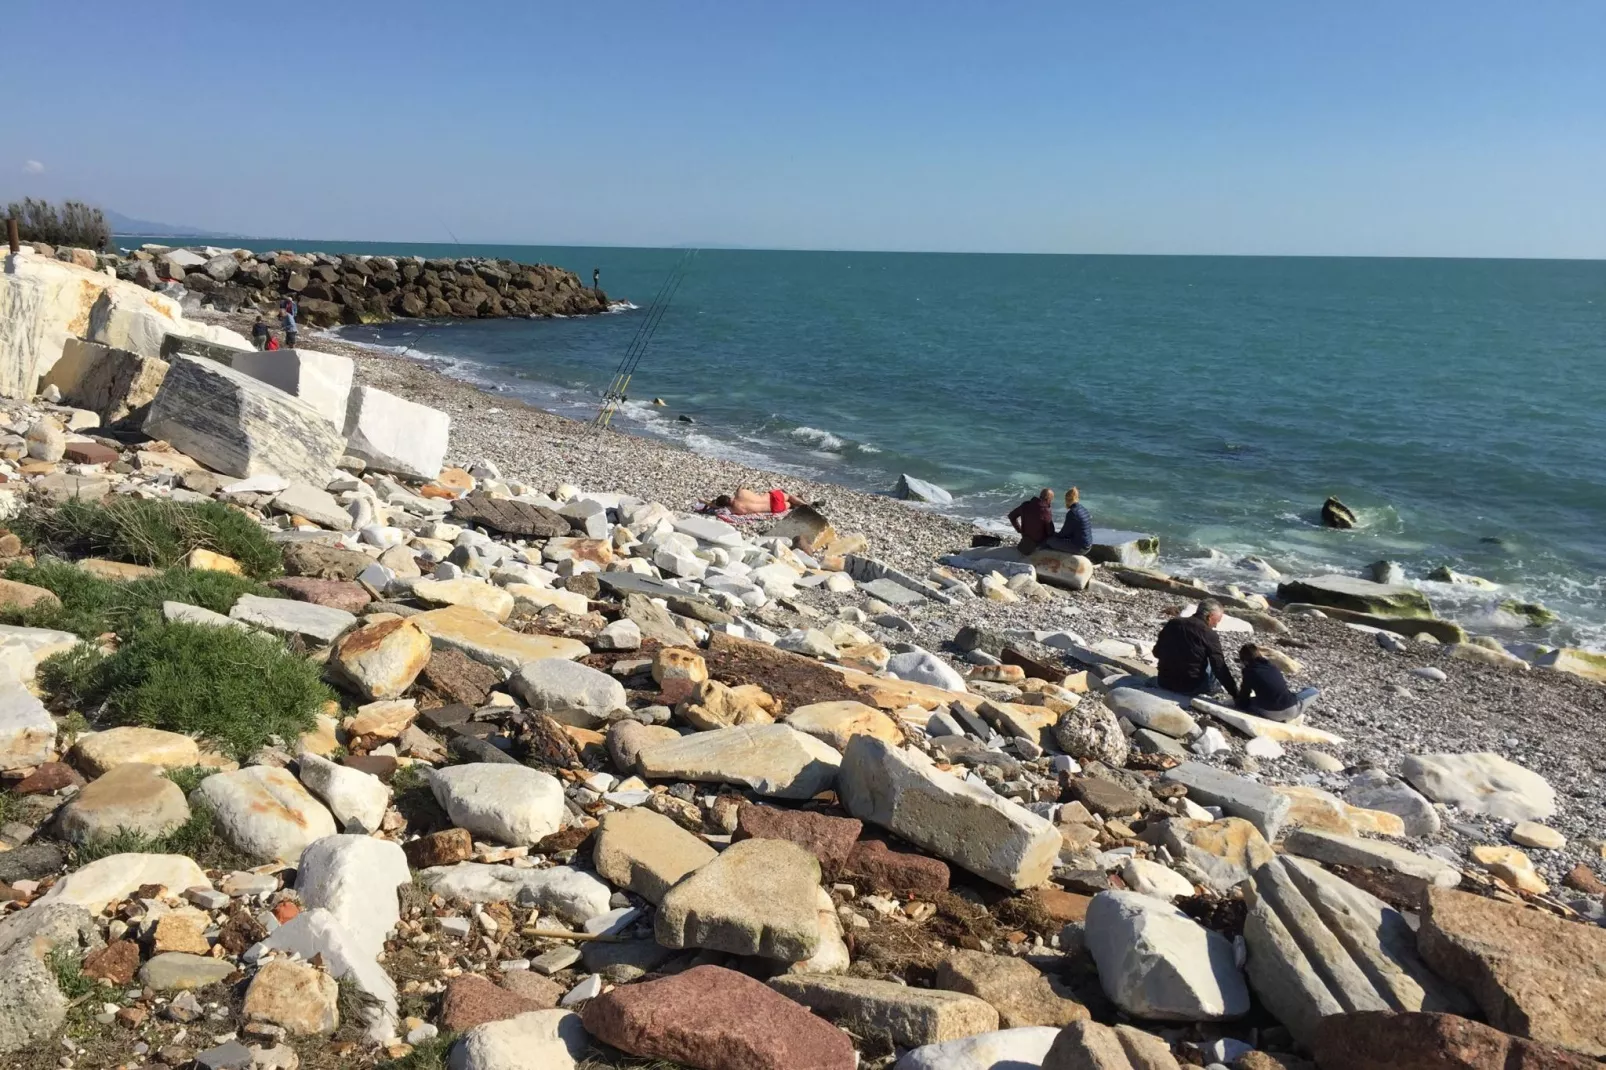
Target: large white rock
<point>1002,1049</point>
<point>969,825</point>
<point>509,803</point>
<point>318,932</point>
<point>355,878</point>
<point>112,383</point>
<point>571,894</point>
<point>313,503</point>
<point>126,319</point>
<point>286,616</point>
<point>570,692</point>
<point>394,434</point>
<point>265,812</point>
<point>1482,783</point>
<point>241,426</point>
<point>27,731</point>
<point>22,649</point>
<point>119,876</point>
<point>534,1040</point>
<point>322,380</point>
<point>1156,962</point>
<point>353,796</point>
<point>771,759</point>
<point>923,667</point>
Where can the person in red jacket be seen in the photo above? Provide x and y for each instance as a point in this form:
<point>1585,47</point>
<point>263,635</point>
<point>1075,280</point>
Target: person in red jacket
<point>1034,520</point>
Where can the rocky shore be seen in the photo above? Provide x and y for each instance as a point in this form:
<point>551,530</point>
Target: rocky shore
<point>352,716</point>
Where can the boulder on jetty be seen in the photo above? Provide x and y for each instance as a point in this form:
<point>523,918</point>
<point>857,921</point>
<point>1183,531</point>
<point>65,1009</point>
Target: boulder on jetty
<point>1358,595</point>
<point>1335,514</point>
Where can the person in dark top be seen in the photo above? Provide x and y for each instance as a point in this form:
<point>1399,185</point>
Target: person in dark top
<point>1034,520</point>
<point>1265,689</point>
<point>1076,534</point>
<point>1189,653</point>
<point>259,332</point>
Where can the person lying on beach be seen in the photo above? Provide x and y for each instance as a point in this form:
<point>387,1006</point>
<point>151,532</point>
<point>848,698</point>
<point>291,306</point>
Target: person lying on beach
<point>1189,653</point>
<point>1076,534</point>
<point>747,502</point>
<point>1265,690</point>
<point>1033,520</point>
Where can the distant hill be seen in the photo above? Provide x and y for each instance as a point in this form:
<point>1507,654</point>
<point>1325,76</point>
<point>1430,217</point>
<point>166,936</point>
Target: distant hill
<point>139,228</point>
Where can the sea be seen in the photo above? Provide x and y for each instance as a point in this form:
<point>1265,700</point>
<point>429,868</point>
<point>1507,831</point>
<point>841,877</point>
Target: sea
<point>1458,406</point>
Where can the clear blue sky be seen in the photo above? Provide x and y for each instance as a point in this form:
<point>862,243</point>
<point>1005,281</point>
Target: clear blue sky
<point>1429,127</point>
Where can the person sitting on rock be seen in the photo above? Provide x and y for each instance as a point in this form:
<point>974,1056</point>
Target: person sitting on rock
<point>747,502</point>
<point>1265,690</point>
<point>1033,520</point>
<point>1076,533</point>
<point>1189,653</point>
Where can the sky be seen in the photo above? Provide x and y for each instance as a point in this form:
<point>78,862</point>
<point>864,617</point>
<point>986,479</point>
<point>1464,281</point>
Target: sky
<point>1426,128</point>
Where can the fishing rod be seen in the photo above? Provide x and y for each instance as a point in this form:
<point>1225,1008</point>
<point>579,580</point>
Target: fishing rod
<point>614,396</point>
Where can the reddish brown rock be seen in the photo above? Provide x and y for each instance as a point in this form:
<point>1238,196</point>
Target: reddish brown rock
<point>875,865</point>
<point>831,839</point>
<point>1060,905</point>
<point>439,848</point>
<point>1533,974</point>
<point>1583,879</point>
<point>471,1000</point>
<point>717,1019</point>
<point>90,453</point>
<point>116,963</point>
<point>546,743</point>
<point>532,986</point>
<point>382,766</point>
<point>48,778</point>
<point>240,932</point>
<point>336,594</point>
<point>458,678</point>
<point>1386,1040</point>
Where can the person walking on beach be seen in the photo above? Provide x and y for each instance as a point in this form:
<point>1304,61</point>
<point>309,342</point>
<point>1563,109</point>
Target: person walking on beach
<point>1265,690</point>
<point>288,311</point>
<point>1033,520</point>
<point>260,333</point>
<point>1189,653</point>
<point>1076,533</point>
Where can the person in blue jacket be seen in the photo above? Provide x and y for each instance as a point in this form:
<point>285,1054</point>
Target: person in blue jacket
<point>1076,533</point>
<point>1265,690</point>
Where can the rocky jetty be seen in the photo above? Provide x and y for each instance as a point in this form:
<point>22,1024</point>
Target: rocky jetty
<point>327,742</point>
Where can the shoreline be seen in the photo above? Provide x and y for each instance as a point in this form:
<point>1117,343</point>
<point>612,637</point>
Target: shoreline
<point>1541,719</point>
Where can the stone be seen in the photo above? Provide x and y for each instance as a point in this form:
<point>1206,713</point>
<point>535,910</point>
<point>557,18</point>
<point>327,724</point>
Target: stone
<point>1390,1040</point>
<point>1156,962</point>
<point>314,504</point>
<point>1481,783</point>
<point>240,426</point>
<point>714,705</point>
<point>717,1019</point>
<point>838,722</point>
<point>458,678</point>
<point>570,692</point>
<point>1015,988</point>
<point>381,660</point>
<point>534,1040</point>
<point>1512,866</point>
<point>1153,879</point>
<point>1533,974</point>
<point>1358,595</point>
<point>114,383</point>
<point>32,1006</point>
<point>923,667</point>
<point>1533,834</point>
<point>475,594</point>
<point>1105,797</point>
<point>528,599</point>
<point>181,930</point>
<point>472,1000</point>
<point>1374,789</point>
<point>1091,1046</point>
<point>116,963</point>
<point>1314,808</point>
<point>1218,854</point>
<point>353,797</point>
<point>265,812</point>
<point>1318,945</point>
<point>1264,728</point>
<point>440,848</point>
<point>15,596</point>
<point>1091,733</point>
<point>968,825</point>
<point>393,434</point>
<point>27,731</point>
<point>322,381</point>
<point>755,898</point>
<point>386,719</point>
<point>300,999</point>
<point>772,760</point>
<point>830,839</point>
<point>918,490</point>
<point>541,991</point>
<point>889,1011</point>
<point>175,971</point>
<point>1237,796</point>
<point>874,865</point>
<point>1148,710</point>
<point>509,517</point>
<point>47,779</point>
<point>332,594</point>
<point>646,853</point>
<point>46,440</point>
<point>320,560</point>
<point>620,635</point>
<point>31,861</point>
<point>285,616</point>
<point>315,932</point>
<point>1003,1049</point>
<point>22,649</point>
<point>508,803</point>
<point>478,635</point>
<point>116,877</point>
<point>132,797</point>
<point>571,894</point>
<point>1333,849</point>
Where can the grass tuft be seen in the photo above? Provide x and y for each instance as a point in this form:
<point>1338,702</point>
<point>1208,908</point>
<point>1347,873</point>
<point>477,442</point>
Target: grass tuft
<point>156,532</point>
<point>70,977</point>
<point>91,606</point>
<point>430,1055</point>
<point>198,839</point>
<point>236,689</point>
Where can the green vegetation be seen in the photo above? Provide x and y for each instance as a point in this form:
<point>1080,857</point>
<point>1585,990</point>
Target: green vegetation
<point>91,606</point>
<point>430,1055</point>
<point>188,777</point>
<point>73,224</point>
<point>154,532</point>
<point>70,978</point>
<point>197,838</point>
<point>232,687</point>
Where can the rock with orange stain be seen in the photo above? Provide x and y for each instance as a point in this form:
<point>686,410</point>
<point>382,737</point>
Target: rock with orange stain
<point>380,661</point>
<point>265,812</point>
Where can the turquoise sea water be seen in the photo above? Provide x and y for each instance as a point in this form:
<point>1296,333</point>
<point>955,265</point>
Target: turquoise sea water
<point>1458,405</point>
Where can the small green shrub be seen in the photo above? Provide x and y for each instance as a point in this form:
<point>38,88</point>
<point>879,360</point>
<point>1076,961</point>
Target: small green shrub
<point>155,532</point>
<point>430,1055</point>
<point>231,687</point>
<point>91,606</point>
<point>188,777</point>
<point>70,977</point>
<point>197,838</point>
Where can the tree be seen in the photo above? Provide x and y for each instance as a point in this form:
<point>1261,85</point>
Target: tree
<point>73,223</point>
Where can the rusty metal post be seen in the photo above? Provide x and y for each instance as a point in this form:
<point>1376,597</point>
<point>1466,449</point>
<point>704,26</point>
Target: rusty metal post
<point>11,234</point>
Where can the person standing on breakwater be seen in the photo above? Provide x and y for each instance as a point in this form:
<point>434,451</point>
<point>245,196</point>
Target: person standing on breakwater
<point>288,310</point>
<point>1189,653</point>
<point>259,332</point>
<point>1265,690</point>
<point>1076,534</point>
<point>1033,520</point>
<point>596,280</point>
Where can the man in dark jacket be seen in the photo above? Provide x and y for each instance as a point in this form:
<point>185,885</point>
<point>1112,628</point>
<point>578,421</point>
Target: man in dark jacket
<point>1034,520</point>
<point>1189,653</point>
<point>1076,534</point>
<point>1265,690</point>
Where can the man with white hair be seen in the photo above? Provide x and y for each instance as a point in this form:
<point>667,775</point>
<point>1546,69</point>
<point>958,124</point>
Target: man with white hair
<point>1189,653</point>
